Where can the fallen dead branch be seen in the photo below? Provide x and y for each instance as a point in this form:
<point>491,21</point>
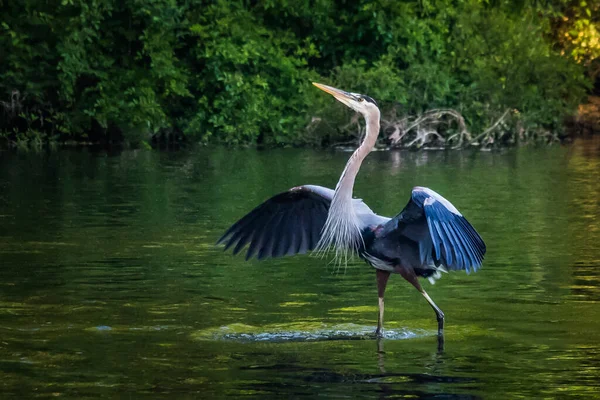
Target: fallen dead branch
<point>443,129</point>
<point>438,128</point>
<point>485,135</point>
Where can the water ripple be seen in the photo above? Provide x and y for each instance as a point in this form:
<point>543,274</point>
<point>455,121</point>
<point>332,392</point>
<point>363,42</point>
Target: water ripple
<point>303,332</point>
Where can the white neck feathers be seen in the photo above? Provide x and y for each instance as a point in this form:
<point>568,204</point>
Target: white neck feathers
<point>342,230</point>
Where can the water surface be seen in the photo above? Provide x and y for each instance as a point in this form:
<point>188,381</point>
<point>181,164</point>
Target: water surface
<point>111,286</point>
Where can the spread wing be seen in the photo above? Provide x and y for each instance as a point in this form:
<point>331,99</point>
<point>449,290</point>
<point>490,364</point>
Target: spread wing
<point>287,223</point>
<point>443,234</point>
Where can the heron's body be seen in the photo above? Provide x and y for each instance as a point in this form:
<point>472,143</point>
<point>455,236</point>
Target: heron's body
<point>427,237</point>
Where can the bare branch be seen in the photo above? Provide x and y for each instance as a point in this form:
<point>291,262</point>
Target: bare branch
<point>425,128</point>
<point>436,128</point>
<point>491,128</point>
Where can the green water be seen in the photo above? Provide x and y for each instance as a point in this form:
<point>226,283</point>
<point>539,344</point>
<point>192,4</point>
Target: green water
<point>111,286</point>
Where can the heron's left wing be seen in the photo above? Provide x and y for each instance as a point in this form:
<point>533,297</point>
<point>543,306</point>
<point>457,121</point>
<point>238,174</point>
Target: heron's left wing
<point>443,234</point>
<point>287,223</point>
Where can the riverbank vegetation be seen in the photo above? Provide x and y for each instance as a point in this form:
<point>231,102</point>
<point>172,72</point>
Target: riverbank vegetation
<point>445,72</point>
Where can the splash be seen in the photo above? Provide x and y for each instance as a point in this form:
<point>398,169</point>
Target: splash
<point>302,332</point>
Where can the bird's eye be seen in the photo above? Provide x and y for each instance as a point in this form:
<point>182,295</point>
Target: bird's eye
<point>360,99</point>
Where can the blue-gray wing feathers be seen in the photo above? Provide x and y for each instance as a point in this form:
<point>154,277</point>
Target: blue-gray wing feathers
<point>291,223</point>
<point>443,234</point>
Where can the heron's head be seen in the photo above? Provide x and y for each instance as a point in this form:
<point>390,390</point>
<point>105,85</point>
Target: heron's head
<point>356,101</point>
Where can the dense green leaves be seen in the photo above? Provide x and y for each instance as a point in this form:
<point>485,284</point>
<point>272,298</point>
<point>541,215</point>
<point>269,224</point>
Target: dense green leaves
<point>239,72</point>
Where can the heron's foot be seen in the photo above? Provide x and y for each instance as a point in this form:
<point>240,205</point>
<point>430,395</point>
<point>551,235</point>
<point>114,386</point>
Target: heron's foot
<point>440,342</point>
<point>381,352</point>
<point>440,320</point>
<point>441,334</point>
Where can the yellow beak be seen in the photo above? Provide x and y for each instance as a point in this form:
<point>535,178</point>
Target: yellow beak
<point>337,93</point>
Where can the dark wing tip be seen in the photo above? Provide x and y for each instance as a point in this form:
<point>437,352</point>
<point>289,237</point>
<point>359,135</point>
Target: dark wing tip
<point>282,225</point>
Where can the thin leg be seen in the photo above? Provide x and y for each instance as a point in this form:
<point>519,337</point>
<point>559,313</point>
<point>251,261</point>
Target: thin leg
<point>409,275</point>
<point>382,278</point>
<point>440,319</point>
<point>439,314</point>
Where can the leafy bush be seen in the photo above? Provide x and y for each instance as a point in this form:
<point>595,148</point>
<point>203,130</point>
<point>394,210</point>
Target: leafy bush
<point>250,82</point>
<point>239,72</point>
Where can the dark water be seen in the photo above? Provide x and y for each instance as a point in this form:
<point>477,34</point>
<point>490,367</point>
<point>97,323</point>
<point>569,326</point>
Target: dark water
<point>110,285</point>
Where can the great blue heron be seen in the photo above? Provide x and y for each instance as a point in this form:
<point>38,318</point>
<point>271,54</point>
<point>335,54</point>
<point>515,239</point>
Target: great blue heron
<point>429,235</point>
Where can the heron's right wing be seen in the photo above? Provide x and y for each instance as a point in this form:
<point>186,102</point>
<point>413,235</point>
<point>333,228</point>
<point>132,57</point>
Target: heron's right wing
<point>443,234</point>
<point>288,223</point>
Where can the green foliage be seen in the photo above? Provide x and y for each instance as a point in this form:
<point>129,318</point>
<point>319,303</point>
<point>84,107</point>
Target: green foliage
<point>250,82</point>
<point>239,72</point>
<point>524,73</point>
<point>476,59</point>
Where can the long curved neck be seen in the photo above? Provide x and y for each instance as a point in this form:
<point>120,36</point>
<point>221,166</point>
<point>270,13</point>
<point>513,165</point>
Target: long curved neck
<point>342,229</point>
<point>346,183</point>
